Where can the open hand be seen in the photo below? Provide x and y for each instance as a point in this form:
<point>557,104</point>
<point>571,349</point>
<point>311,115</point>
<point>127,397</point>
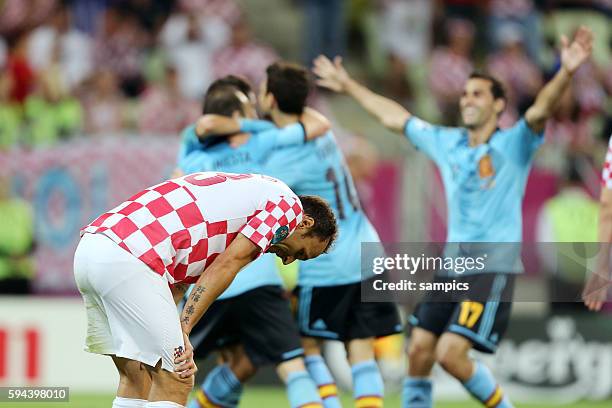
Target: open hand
<point>574,54</point>
<point>331,75</point>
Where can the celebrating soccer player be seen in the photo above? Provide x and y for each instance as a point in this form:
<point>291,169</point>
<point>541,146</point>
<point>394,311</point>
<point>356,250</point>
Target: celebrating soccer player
<point>329,295</point>
<point>484,170</point>
<point>135,261</point>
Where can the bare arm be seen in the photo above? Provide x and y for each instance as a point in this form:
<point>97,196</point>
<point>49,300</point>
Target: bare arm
<point>216,124</point>
<point>332,75</point>
<point>572,56</point>
<point>315,124</point>
<point>178,291</point>
<point>216,278</point>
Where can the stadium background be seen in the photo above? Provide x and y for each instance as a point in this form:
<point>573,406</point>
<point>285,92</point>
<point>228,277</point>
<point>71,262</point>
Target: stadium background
<point>94,93</point>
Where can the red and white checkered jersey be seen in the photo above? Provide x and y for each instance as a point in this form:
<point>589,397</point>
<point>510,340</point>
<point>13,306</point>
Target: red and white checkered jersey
<point>606,173</point>
<point>180,226</point>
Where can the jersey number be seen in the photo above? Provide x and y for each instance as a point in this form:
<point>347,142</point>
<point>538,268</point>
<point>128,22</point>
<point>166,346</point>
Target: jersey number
<point>353,200</point>
<point>470,313</point>
<point>209,181</point>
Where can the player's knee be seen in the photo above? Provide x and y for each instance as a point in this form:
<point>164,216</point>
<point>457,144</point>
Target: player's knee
<point>359,350</point>
<point>174,384</point>
<point>311,346</point>
<point>243,368</point>
<point>449,356</point>
<point>420,352</point>
<point>290,366</point>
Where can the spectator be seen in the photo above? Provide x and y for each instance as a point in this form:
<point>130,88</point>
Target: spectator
<point>51,113</point>
<point>450,67</point>
<point>569,127</point>
<point>325,28</point>
<point>16,242</point>
<point>227,10</point>
<point>244,56</point>
<point>569,217</point>
<point>75,56</point>
<point>211,30</point>
<point>192,59</point>
<point>164,110</point>
<point>521,77</point>
<point>19,69</point>
<point>10,115</point>
<point>104,104</point>
<point>405,36</point>
<point>516,13</point>
<point>118,47</point>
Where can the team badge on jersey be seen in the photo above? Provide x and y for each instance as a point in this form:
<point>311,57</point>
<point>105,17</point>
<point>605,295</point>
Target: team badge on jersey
<point>280,234</point>
<point>485,167</point>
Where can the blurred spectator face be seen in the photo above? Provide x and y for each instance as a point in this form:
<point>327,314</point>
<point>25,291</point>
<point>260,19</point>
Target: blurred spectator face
<point>106,83</point>
<point>193,30</point>
<point>61,20</point>
<point>477,103</point>
<point>460,36</point>
<point>5,86</point>
<point>241,34</point>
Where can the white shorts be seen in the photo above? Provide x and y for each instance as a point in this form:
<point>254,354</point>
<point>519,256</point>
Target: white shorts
<point>130,309</point>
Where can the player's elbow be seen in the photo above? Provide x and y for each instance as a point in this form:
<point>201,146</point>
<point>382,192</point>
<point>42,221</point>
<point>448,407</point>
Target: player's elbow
<point>394,122</point>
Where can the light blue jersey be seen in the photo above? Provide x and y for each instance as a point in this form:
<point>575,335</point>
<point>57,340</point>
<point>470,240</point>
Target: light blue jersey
<point>484,184</point>
<point>246,158</point>
<point>318,168</point>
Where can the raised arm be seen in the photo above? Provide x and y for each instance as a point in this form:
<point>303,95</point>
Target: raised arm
<point>572,56</point>
<point>332,75</point>
<point>216,278</point>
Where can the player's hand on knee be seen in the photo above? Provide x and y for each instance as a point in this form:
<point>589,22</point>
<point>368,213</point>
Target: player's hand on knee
<point>185,365</point>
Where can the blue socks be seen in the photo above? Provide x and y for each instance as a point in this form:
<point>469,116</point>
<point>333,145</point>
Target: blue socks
<point>485,389</point>
<point>368,386</point>
<point>325,382</point>
<point>302,391</point>
<point>221,388</point>
<point>416,393</point>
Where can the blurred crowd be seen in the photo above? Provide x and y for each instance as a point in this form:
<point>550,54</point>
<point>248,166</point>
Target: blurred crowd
<point>105,67</point>
<point>109,66</point>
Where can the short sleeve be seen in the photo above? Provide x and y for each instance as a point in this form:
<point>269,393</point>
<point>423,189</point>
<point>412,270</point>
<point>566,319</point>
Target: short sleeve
<point>189,143</point>
<point>425,137</point>
<point>522,142</point>
<point>275,222</point>
<point>194,162</point>
<point>606,173</point>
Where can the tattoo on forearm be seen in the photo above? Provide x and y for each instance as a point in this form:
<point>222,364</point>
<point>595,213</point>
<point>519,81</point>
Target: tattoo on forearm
<point>185,320</point>
<point>197,293</point>
<point>189,310</point>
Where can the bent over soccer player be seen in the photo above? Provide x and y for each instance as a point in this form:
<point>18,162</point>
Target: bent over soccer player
<point>134,261</point>
<point>251,323</point>
<point>484,170</point>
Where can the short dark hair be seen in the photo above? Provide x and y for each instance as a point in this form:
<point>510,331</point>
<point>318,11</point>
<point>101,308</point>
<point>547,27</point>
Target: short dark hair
<point>325,226</point>
<point>222,101</point>
<point>236,81</point>
<point>497,88</point>
<point>289,84</point>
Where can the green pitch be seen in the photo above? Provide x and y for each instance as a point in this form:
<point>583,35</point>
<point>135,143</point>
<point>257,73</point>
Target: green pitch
<point>273,397</point>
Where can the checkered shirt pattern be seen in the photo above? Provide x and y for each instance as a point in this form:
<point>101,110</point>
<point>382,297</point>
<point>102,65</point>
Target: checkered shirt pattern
<point>606,174</point>
<point>165,227</point>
